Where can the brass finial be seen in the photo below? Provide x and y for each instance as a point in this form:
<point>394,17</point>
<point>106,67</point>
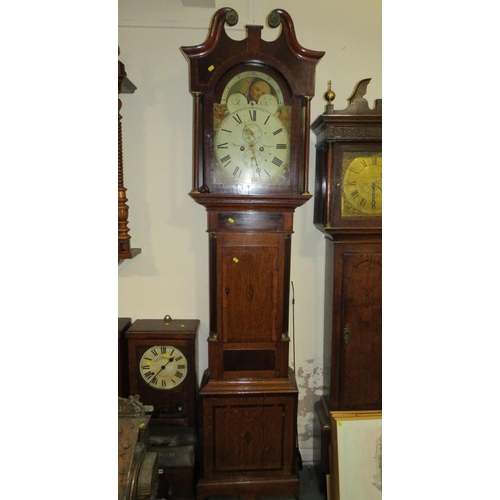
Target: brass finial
<point>329,95</point>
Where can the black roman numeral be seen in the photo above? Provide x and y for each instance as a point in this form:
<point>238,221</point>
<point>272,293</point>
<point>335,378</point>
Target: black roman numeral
<point>277,161</point>
<point>238,119</point>
<point>223,145</point>
<point>226,159</point>
<point>253,114</point>
<point>276,132</point>
<point>280,146</point>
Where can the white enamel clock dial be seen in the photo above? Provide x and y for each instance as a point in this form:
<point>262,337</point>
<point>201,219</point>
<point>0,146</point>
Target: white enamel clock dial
<point>163,367</point>
<point>252,146</point>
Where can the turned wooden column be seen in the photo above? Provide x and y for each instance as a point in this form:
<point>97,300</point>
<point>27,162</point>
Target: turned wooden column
<point>124,247</point>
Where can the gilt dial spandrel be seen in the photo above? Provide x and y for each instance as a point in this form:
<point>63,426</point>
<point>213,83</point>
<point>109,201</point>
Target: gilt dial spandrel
<point>362,184</point>
<point>252,132</point>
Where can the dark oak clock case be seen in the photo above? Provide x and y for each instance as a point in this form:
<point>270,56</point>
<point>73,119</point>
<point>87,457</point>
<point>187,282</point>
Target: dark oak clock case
<point>176,406</point>
<point>173,412</point>
<point>353,265</point>
<point>250,171</point>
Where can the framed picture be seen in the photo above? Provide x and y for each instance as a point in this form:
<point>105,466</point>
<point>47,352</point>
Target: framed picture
<point>356,455</point>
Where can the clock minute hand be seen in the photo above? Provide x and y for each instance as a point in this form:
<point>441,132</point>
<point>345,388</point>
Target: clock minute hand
<point>169,360</point>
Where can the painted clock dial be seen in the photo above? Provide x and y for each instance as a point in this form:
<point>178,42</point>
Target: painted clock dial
<point>163,367</point>
<point>362,184</point>
<point>252,132</point>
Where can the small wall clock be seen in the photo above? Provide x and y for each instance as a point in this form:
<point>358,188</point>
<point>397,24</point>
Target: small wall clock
<point>162,368</point>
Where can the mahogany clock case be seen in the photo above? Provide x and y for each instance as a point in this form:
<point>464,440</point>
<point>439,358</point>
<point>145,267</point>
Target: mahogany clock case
<point>175,405</point>
<point>288,68</point>
<point>250,172</point>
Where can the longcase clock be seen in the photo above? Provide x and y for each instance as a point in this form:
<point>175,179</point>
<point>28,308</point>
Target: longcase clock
<point>251,117</point>
<point>348,210</point>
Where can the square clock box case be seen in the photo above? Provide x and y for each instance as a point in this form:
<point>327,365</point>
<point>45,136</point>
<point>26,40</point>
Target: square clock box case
<point>162,356</point>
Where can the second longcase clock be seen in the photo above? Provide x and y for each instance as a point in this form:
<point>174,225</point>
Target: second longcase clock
<point>348,210</point>
<point>251,119</point>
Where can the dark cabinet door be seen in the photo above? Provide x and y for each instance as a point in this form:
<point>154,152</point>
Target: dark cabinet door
<point>251,435</point>
<point>250,293</point>
<point>356,350</point>
<point>250,283</point>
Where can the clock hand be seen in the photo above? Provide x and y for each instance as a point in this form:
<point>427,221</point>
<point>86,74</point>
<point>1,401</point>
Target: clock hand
<point>164,366</point>
<point>374,184</point>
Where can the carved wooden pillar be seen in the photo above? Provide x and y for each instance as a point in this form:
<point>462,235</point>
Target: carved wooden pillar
<point>124,249</point>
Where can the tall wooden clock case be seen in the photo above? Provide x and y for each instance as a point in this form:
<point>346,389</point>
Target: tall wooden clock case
<point>348,210</point>
<point>250,169</point>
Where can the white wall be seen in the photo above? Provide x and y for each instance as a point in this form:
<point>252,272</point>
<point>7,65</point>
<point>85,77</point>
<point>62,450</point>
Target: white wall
<point>170,276</point>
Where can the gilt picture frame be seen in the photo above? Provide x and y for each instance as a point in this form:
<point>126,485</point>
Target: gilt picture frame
<point>356,455</point>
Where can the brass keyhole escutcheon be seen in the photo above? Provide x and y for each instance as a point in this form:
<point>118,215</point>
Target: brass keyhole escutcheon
<point>347,333</point>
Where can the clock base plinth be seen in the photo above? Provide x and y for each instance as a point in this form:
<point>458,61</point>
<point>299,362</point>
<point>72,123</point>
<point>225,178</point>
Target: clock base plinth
<point>248,438</point>
<point>250,488</point>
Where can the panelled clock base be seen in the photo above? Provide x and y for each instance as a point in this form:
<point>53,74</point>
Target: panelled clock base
<point>249,437</point>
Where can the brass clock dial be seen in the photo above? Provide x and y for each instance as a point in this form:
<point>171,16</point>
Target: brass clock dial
<point>362,184</point>
<point>163,367</point>
<point>252,132</point>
